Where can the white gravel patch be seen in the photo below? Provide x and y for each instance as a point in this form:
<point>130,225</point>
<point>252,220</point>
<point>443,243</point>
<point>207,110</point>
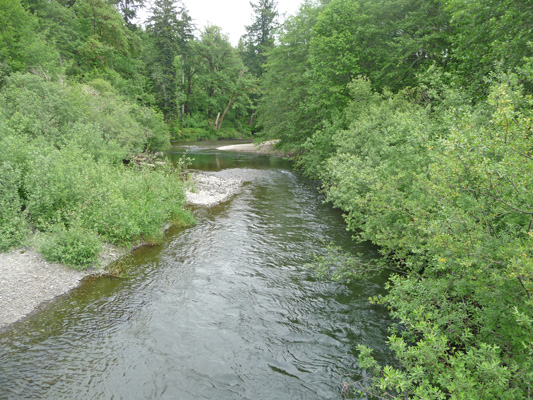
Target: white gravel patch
<point>209,190</point>
<point>27,280</point>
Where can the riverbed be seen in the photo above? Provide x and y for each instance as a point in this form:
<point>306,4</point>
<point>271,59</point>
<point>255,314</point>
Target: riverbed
<point>223,310</point>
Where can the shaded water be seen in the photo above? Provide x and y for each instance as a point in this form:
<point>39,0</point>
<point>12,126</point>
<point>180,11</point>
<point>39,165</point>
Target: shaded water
<point>222,310</point>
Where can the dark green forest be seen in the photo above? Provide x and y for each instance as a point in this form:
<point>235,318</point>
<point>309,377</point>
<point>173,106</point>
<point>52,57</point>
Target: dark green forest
<point>415,117</point>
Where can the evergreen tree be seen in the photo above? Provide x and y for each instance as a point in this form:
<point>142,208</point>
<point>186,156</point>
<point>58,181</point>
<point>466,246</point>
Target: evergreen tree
<point>128,9</point>
<point>259,37</point>
<point>169,29</point>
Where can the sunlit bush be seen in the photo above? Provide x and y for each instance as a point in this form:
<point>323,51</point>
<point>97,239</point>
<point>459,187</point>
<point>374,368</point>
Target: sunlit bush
<point>75,246</point>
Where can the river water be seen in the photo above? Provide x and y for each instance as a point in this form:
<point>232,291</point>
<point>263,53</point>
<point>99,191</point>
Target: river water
<point>222,310</point>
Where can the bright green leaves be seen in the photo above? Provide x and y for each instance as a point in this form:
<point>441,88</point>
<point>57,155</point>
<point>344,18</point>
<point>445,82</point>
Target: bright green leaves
<point>389,42</point>
<point>13,224</point>
<point>323,48</point>
<point>62,169</point>
<point>477,374</point>
<point>484,169</point>
<point>76,247</point>
<point>21,44</point>
<point>384,152</point>
<point>335,50</point>
<point>439,180</point>
<point>35,107</point>
<point>284,108</point>
<point>446,197</point>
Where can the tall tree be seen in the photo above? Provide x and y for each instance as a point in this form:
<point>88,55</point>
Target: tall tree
<point>22,46</point>
<point>170,30</point>
<point>93,41</point>
<point>221,81</point>
<point>285,85</point>
<point>489,33</point>
<point>388,41</point>
<point>128,9</point>
<point>259,37</point>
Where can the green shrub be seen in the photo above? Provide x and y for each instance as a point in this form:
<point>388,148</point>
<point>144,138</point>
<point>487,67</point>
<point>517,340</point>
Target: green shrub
<point>229,133</point>
<point>447,198</point>
<point>89,138</point>
<point>55,185</point>
<point>35,107</point>
<point>75,246</point>
<point>13,223</point>
<point>62,164</point>
<point>132,205</point>
<point>195,134</point>
<point>159,139</point>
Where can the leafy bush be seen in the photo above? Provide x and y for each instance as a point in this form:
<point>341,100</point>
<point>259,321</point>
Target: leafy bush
<point>75,246</point>
<point>13,224</point>
<point>446,197</point>
<point>89,138</point>
<point>133,205</point>
<point>36,107</point>
<point>124,205</point>
<point>229,133</point>
<point>195,134</point>
<point>55,184</point>
<point>63,150</point>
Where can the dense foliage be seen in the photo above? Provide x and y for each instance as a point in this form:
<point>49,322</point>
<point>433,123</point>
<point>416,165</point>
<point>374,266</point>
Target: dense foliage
<point>84,89</point>
<point>73,107</point>
<point>416,116</point>
<point>63,175</point>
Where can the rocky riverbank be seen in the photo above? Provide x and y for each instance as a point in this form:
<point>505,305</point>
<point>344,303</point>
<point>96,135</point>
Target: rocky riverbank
<point>27,281</point>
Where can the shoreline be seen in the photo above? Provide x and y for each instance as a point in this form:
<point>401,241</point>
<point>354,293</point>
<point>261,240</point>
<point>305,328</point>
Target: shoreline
<point>258,148</point>
<point>28,282</point>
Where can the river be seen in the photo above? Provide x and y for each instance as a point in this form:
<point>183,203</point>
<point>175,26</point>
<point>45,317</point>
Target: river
<point>222,310</point>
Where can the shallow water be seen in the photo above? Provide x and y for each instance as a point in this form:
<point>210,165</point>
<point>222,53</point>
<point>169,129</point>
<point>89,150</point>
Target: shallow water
<point>221,310</point>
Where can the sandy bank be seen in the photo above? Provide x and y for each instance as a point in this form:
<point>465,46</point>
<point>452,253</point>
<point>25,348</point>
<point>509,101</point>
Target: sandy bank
<point>260,148</point>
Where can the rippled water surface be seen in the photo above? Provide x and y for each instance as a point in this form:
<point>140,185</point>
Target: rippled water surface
<point>222,310</point>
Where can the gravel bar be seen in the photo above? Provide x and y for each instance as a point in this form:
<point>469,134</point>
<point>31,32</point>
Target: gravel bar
<point>27,281</point>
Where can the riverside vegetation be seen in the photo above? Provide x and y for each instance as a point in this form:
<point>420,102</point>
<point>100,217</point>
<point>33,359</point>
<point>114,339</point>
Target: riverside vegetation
<point>415,116</point>
<point>62,172</point>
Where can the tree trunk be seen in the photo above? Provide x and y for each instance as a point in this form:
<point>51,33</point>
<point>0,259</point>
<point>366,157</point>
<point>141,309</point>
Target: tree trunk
<point>252,118</point>
<point>183,87</point>
<point>230,103</point>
